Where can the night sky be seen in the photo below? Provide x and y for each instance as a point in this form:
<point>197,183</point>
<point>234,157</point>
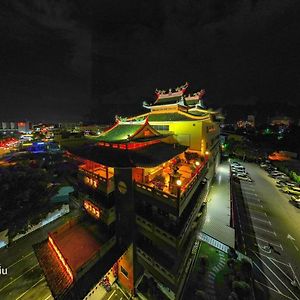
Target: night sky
<point>54,55</point>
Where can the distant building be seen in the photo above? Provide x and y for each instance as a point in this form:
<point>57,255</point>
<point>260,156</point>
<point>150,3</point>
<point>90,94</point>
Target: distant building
<point>281,120</point>
<point>251,120</point>
<point>249,123</point>
<point>11,127</point>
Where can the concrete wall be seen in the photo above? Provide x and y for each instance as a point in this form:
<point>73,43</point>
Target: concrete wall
<point>49,218</point>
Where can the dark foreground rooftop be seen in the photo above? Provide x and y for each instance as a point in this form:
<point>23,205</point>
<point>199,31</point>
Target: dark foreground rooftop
<point>149,156</point>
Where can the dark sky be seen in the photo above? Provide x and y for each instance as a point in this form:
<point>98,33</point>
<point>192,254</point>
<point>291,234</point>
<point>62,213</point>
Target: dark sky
<point>240,51</point>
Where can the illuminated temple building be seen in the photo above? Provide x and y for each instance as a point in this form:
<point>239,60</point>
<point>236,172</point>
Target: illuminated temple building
<point>142,185</point>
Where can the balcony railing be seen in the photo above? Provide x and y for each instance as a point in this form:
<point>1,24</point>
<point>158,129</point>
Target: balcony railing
<point>175,234</point>
<point>183,195</point>
<point>172,200</point>
<point>97,182</point>
<point>169,238</point>
<point>156,265</point>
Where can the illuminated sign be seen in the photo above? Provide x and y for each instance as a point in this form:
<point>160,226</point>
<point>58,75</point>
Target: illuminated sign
<point>90,181</point>
<point>92,209</point>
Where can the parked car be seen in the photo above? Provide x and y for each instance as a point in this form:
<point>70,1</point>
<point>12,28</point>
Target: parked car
<point>296,200</point>
<point>244,177</point>
<point>291,190</point>
<point>263,165</point>
<point>235,173</point>
<point>290,183</point>
<point>281,183</point>
<point>283,177</point>
<point>275,172</point>
<point>237,168</point>
<point>276,175</point>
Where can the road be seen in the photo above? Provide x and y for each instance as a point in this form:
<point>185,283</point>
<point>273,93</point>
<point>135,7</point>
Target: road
<point>25,279</point>
<point>265,219</point>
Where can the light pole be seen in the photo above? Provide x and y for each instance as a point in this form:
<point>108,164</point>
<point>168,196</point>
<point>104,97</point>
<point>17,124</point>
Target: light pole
<point>178,183</point>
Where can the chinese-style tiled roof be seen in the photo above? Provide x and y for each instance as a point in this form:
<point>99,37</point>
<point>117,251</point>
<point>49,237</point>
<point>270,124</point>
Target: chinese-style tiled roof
<point>121,132</point>
<point>163,97</point>
<point>56,277</point>
<point>168,100</point>
<point>79,238</point>
<point>149,156</point>
<point>129,131</point>
<point>194,99</point>
<point>197,113</point>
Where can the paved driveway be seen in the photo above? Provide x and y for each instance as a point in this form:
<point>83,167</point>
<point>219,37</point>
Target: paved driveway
<point>265,219</point>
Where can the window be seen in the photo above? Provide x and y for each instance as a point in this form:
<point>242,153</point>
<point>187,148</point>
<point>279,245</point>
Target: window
<point>124,272</point>
<point>161,127</point>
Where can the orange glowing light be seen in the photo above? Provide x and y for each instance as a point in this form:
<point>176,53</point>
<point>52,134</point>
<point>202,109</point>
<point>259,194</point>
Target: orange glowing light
<point>92,209</point>
<point>179,182</point>
<point>61,259</point>
<point>129,146</point>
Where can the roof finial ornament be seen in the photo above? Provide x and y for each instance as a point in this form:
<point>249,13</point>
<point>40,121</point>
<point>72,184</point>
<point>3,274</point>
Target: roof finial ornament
<point>177,92</point>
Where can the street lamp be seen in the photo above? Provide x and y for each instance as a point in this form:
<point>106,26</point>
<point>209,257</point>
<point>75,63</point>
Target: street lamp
<point>178,183</point>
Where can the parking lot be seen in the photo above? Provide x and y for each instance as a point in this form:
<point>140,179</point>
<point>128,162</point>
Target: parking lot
<point>262,227</point>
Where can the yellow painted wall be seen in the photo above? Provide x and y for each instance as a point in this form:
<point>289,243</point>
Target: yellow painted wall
<point>191,133</point>
<point>187,133</point>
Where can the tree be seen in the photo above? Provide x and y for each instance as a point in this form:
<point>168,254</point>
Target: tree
<point>23,195</point>
<point>200,295</point>
<point>246,269</point>
<point>231,263</point>
<point>204,263</point>
<point>241,288</point>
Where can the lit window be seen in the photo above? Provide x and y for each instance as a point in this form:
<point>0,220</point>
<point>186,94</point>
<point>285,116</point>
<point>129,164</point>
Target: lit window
<point>124,272</point>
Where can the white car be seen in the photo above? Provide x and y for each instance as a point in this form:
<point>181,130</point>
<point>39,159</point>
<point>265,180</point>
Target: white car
<point>238,168</point>
<point>296,200</point>
<point>281,183</point>
<point>243,173</point>
<point>282,177</point>
<point>290,183</point>
<point>244,177</point>
<point>276,173</point>
<point>291,190</point>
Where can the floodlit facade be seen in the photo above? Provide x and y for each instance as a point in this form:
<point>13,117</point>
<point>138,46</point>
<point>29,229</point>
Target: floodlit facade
<point>141,186</point>
<point>9,127</point>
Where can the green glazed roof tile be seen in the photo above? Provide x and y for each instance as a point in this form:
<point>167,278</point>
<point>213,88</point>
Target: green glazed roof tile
<point>120,133</point>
